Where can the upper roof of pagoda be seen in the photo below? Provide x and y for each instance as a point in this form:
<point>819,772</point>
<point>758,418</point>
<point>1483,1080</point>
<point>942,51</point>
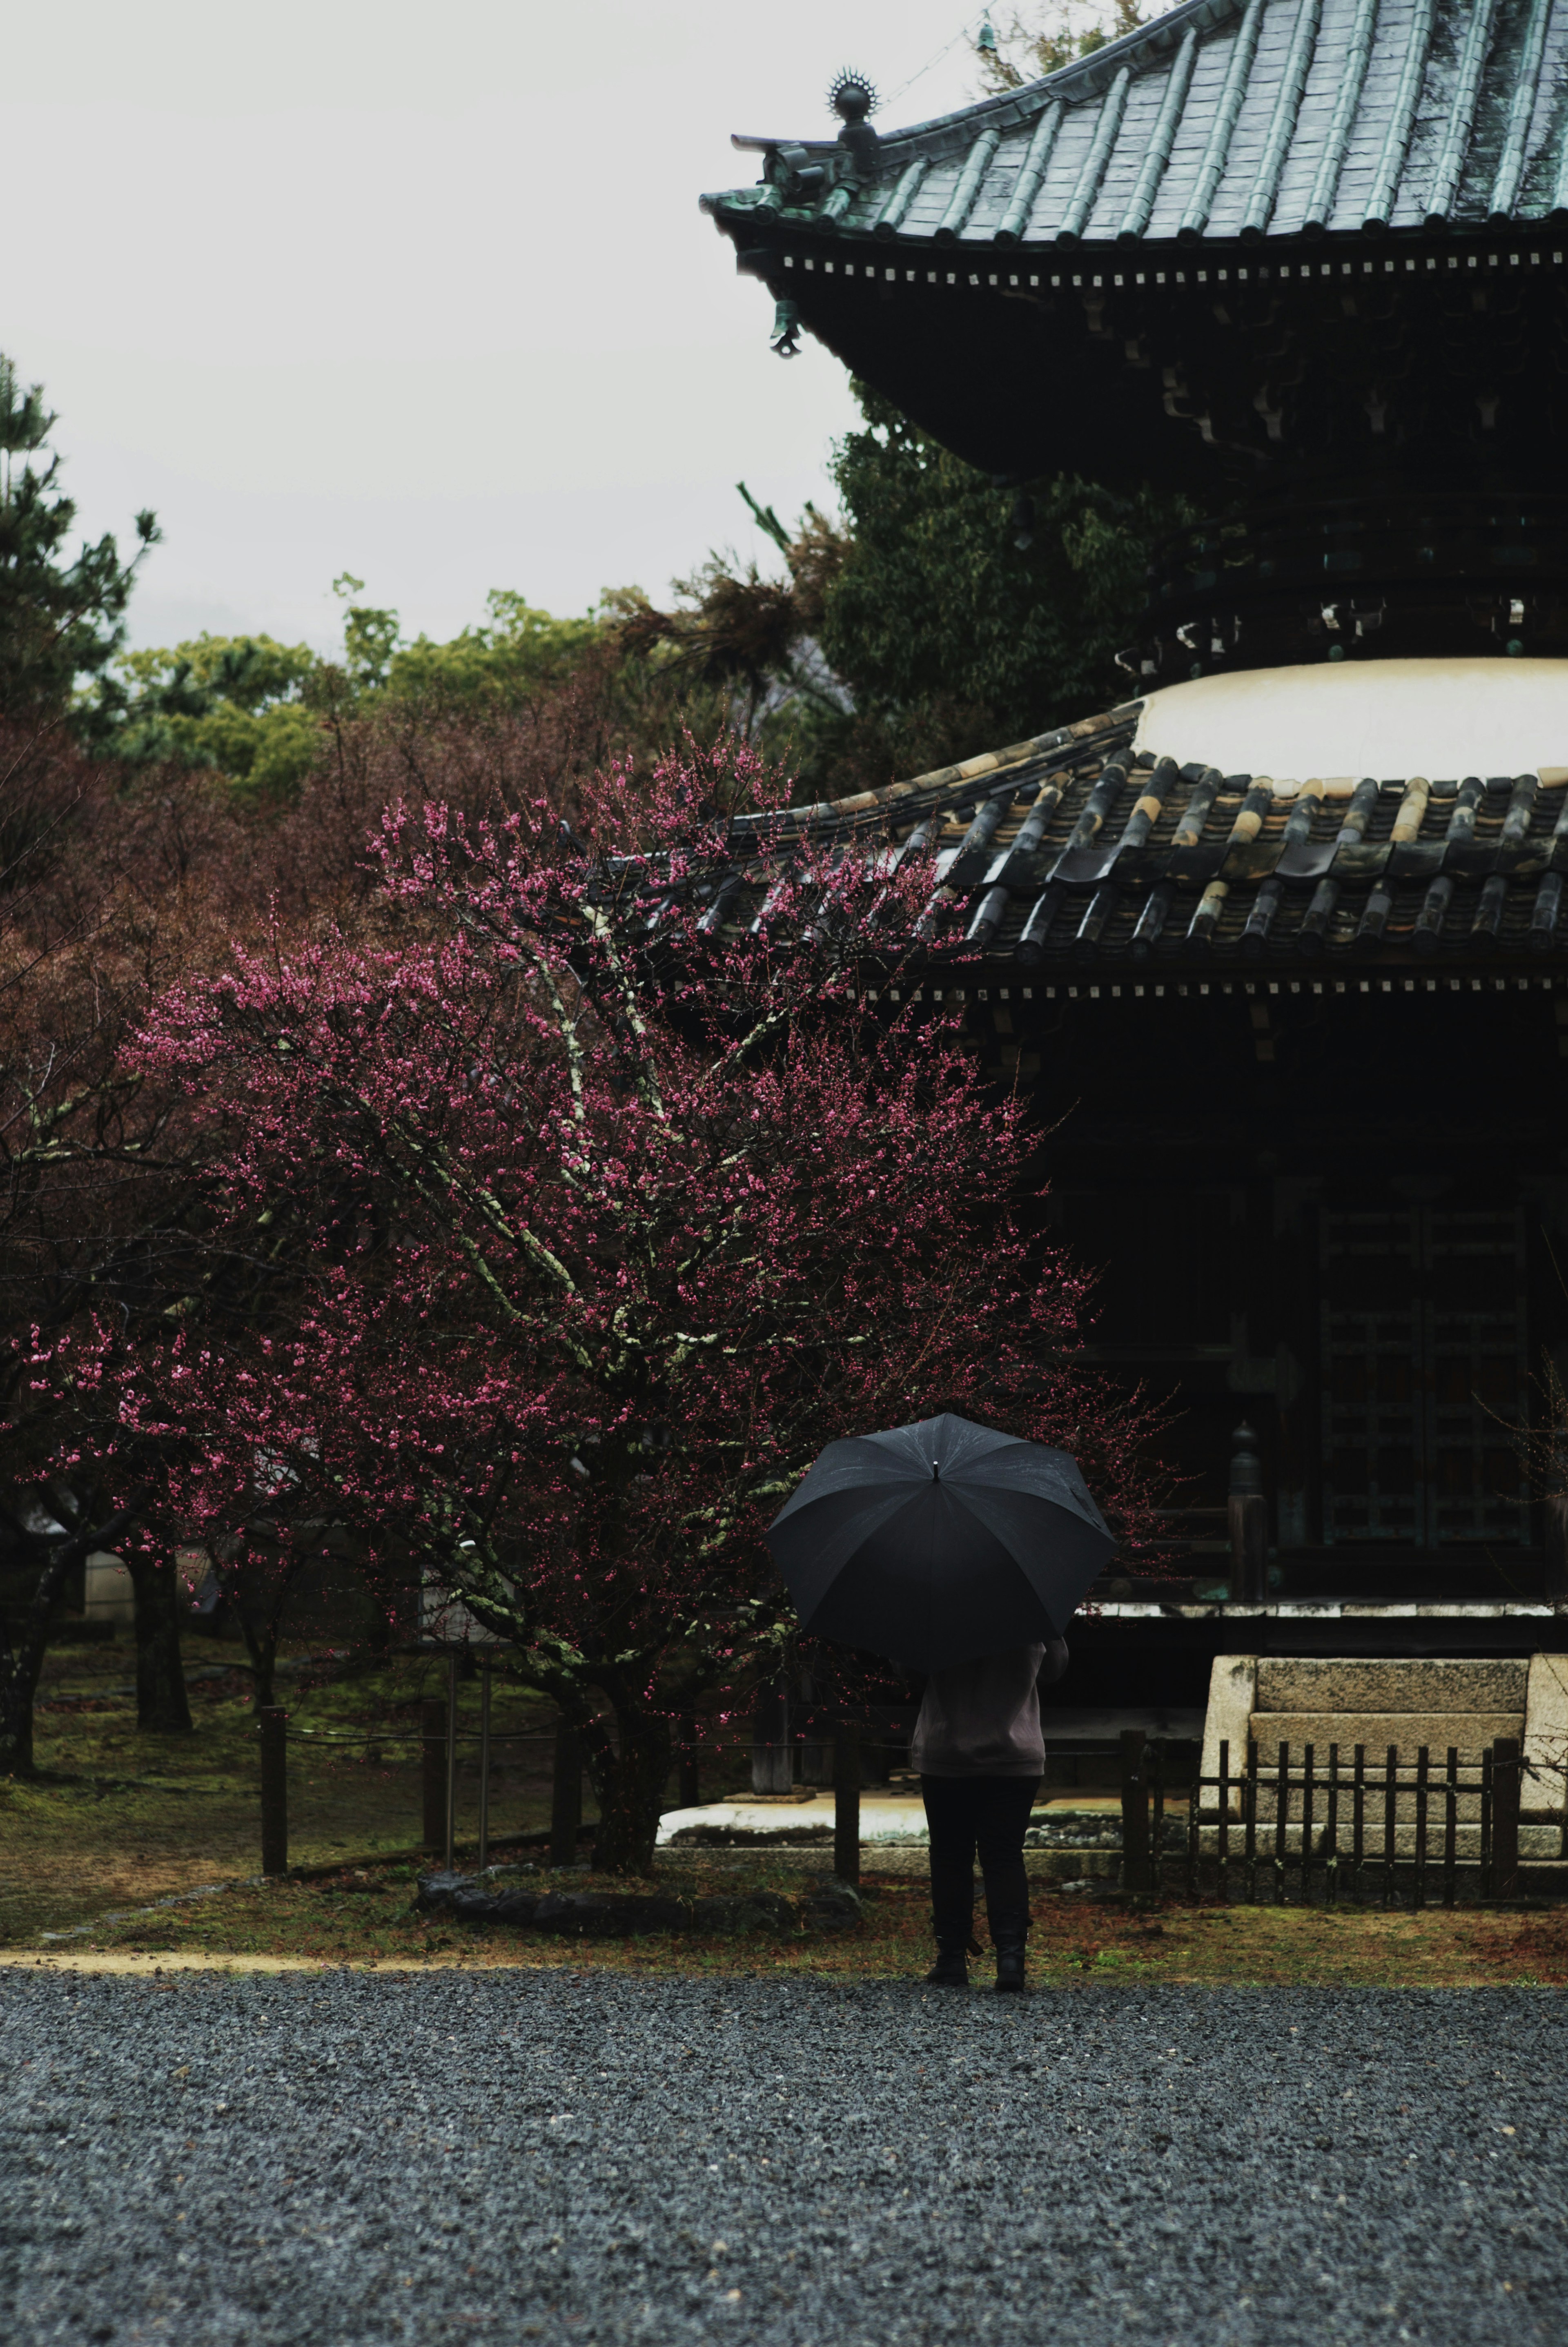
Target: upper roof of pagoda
<point>1224,120</point>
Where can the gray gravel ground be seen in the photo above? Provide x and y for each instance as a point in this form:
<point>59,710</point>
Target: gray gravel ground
<point>340,2160</point>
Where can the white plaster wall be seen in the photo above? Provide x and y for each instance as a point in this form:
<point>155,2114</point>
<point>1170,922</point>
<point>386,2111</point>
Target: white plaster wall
<point>1390,718</point>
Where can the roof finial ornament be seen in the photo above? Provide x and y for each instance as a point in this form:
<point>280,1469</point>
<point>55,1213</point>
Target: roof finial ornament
<point>852,97</point>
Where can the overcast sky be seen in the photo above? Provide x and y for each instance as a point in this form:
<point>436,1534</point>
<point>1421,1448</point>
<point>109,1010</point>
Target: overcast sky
<point>421,293</point>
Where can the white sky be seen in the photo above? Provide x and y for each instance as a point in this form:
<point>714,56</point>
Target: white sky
<point>421,293</point>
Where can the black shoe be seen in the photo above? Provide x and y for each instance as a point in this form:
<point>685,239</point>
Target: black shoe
<point>1011,1974</point>
<point>950,1969</point>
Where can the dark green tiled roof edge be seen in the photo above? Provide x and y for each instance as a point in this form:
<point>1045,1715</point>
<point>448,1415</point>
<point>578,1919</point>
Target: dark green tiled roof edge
<point>1230,120</point>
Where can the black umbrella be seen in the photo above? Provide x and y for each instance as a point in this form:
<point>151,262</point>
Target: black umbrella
<point>938,1543</point>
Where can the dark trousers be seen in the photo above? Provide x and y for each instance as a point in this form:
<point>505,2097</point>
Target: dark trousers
<point>987,1815</point>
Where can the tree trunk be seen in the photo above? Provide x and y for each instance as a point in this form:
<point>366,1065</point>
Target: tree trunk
<point>628,1786</point>
<point>162,1706</point>
<point>20,1664</point>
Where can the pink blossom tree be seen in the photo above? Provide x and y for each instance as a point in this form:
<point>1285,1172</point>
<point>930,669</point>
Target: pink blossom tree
<point>590,1217</point>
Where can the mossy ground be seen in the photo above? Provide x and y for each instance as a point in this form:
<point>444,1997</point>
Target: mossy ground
<point>365,1916</point>
<point>116,1818</point>
<point>119,1819</point>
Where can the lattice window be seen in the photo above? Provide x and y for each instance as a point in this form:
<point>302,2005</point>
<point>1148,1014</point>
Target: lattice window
<point>1424,1374</point>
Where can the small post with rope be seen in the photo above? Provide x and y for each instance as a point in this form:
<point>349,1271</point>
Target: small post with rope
<point>566,1796</point>
<point>484,1760</point>
<point>274,1725</point>
<point>846,1802</point>
<point>449,1821</point>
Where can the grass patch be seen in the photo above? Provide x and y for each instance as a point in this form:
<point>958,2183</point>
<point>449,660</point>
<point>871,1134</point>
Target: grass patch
<point>366,1916</point>
<point>116,1818</point>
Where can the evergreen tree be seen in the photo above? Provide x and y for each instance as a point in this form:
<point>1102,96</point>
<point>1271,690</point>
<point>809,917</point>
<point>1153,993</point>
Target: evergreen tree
<point>61,618</point>
<point>962,614</point>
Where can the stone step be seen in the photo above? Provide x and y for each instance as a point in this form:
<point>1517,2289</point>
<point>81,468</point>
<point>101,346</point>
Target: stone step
<point>1406,1701</point>
<point>1472,1731</point>
<point>1299,1684</point>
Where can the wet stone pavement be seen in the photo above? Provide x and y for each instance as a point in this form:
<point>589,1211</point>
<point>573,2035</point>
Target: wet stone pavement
<point>345,2159</point>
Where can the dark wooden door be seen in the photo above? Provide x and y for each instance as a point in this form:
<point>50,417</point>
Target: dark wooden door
<point>1424,1376</point>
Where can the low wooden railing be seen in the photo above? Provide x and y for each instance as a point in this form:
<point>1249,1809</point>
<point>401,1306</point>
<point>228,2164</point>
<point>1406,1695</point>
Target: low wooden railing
<point>1380,1826</point>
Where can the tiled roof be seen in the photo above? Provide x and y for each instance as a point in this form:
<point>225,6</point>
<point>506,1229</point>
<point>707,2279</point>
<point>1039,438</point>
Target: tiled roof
<point>1072,849</point>
<point>1228,120</point>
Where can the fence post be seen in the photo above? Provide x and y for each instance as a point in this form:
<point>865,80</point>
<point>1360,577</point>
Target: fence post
<point>1135,1815</point>
<point>433,1731</point>
<point>449,1823</point>
<point>1156,1760</point>
<point>1391,1822</point>
<point>1505,1774</point>
<point>1247,1515</point>
<point>565,1797</point>
<point>274,1724</point>
<point>484,1760</point>
<point>846,1802</point>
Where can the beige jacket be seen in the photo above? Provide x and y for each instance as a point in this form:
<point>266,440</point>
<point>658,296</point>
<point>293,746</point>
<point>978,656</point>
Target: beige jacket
<point>982,1718</point>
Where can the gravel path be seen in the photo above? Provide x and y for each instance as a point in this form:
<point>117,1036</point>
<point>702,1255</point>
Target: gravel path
<point>340,2160</point>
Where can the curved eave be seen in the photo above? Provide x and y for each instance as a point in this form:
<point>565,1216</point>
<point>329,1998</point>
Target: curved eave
<point>1231,121</point>
<point>1087,851</point>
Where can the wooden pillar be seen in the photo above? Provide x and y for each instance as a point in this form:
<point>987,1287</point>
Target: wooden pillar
<point>274,1727</point>
<point>433,1732</point>
<point>1134,1814</point>
<point>1554,1527</point>
<point>846,1802</point>
<point>773,1760</point>
<point>565,1797</point>
<point>1248,1517</point>
<point>1505,1777</point>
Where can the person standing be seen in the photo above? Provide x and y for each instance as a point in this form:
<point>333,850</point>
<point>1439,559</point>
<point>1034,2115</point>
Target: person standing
<point>980,1756</point>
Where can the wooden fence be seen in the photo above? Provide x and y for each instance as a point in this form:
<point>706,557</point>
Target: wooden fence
<point>1304,1826</point>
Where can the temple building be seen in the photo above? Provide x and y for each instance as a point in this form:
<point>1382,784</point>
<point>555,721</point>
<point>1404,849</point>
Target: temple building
<point>1280,942</point>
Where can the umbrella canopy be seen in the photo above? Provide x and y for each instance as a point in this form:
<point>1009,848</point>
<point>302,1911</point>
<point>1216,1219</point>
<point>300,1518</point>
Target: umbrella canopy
<point>938,1543</point>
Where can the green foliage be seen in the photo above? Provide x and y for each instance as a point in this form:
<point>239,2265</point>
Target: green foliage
<point>254,710</point>
<point>518,652</point>
<point>59,618</point>
<point>944,615</point>
<point>939,597</point>
<point>1042,40</point>
<point>241,705</point>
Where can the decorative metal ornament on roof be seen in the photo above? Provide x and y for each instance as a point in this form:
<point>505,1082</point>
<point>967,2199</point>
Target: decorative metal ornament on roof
<point>785,336</point>
<point>852,95</point>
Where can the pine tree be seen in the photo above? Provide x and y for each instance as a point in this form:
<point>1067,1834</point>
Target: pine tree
<point>61,618</point>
